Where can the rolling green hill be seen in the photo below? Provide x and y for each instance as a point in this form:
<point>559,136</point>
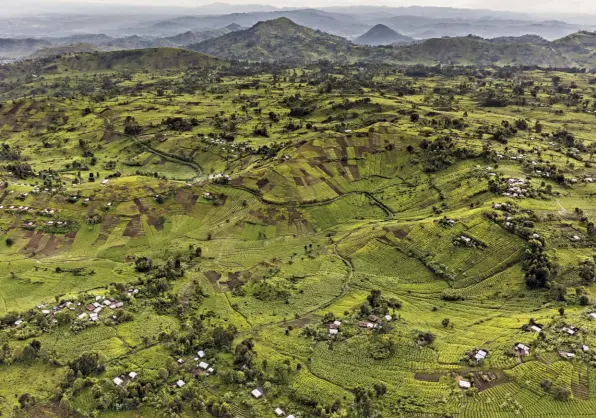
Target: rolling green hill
<point>55,51</point>
<point>153,59</point>
<point>474,50</point>
<point>279,39</point>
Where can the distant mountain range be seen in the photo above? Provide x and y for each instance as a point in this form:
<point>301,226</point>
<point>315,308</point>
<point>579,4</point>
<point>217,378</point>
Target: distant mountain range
<point>35,48</point>
<point>286,41</point>
<point>120,21</point>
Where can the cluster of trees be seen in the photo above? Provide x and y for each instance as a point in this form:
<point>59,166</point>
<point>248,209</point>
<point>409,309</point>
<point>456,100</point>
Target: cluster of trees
<point>378,305</point>
<point>180,124</point>
<point>540,270</point>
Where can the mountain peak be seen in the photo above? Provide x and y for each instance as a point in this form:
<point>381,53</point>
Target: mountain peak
<point>279,22</point>
<point>382,35</point>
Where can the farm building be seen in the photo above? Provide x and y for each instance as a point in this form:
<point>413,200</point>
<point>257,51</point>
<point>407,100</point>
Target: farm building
<point>201,354</point>
<point>522,350</point>
<point>479,355</point>
<point>536,328</point>
<point>569,330</point>
<point>256,393</point>
<point>279,412</point>
<point>180,383</point>
<point>118,381</point>
<point>566,354</point>
<point>464,384</point>
<point>203,365</point>
<point>133,375</point>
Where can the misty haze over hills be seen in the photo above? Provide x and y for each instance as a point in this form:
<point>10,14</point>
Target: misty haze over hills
<point>97,27</point>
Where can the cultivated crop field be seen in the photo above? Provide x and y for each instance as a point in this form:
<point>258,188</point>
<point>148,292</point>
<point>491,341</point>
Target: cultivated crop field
<point>347,241</point>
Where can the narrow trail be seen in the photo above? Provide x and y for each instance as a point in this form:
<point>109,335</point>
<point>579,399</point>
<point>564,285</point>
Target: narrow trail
<point>563,211</point>
<point>198,170</point>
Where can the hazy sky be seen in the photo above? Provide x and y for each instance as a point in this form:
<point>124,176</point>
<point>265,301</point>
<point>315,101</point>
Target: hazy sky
<point>576,7</point>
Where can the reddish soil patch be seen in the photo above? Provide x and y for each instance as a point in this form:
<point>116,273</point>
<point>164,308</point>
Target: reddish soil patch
<point>489,379</point>
<point>186,199</point>
<point>400,233</point>
<point>297,323</point>
<point>140,206</point>
<point>262,183</point>
<point>332,186</point>
<point>154,221</point>
<point>428,377</point>
<point>134,228</point>
<point>310,180</point>
<point>17,222</point>
<point>51,247</point>
<point>109,222</point>
<point>324,169</point>
<point>212,276</point>
<point>355,173</point>
<point>34,241</point>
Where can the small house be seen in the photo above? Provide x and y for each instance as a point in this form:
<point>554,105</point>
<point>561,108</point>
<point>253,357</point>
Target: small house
<point>201,354</point>
<point>203,365</point>
<point>566,354</point>
<point>536,328</point>
<point>373,318</point>
<point>337,323</point>
<point>480,355</point>
<point>279,412</point>
<point>333,331</point>
<point>256,393</point>
<point>180,361</point>
<point>585,348</point>
<point>569,330</point>
<point>464,384</point>
<point>180,383</point>
<point>593,315</point>
<point>522,350</point>
<point>388,318</point>
<point>118,381</point>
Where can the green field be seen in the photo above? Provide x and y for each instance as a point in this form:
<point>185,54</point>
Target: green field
<point>241,211</point>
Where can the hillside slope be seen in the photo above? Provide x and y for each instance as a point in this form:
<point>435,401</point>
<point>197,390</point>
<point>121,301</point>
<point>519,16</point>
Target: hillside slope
<point>279,39</point>
<point>474,50</point>
<point>154,59</point>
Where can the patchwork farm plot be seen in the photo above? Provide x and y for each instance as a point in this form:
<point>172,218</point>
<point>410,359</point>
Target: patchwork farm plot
<point>231,241</point>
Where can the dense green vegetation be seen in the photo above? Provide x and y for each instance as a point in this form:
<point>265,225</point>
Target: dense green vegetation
<point>348,240</point>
